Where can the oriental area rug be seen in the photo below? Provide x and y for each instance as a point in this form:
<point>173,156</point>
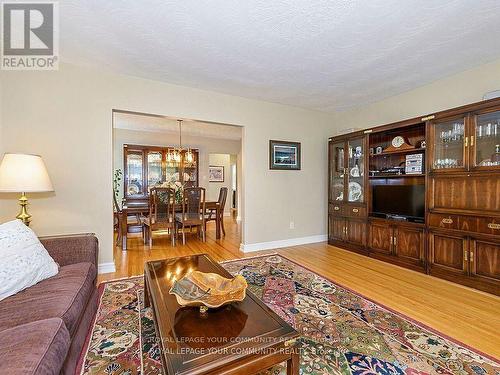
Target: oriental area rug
<point>341,331</point>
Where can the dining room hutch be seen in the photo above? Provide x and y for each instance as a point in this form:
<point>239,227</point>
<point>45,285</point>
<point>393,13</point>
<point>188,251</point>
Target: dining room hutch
<point>422,193</point>
<point>148,166</point>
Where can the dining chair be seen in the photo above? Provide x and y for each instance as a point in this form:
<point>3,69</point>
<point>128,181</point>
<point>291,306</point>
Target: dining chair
<point>192,215</point>
<point>118,219</point>
<point>212,212</point>
<point>161,214</point>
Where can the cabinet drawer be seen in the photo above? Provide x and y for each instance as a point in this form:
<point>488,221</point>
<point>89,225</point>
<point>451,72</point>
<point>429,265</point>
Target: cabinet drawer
<point>335,209</point>
<point>354,211</point>
<point>443,221</point>
<point>484,225</point>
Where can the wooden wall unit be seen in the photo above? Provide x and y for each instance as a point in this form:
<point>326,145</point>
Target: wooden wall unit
<point>459,237</point>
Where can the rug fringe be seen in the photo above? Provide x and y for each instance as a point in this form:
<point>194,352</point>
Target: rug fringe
<point>252,257</point>
<point>120,278</point>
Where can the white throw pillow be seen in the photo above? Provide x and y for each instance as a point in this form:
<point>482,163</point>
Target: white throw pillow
<point>23,259</point>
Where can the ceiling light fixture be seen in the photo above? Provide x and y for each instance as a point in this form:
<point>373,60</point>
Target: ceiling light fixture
<point>175,154</point>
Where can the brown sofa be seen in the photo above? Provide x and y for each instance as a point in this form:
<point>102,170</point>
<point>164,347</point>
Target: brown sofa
<point>43,328</point>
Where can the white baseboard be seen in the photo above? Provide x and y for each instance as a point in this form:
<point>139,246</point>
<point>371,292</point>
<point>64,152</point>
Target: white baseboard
<point>282,243</point>
<point>106,267</point>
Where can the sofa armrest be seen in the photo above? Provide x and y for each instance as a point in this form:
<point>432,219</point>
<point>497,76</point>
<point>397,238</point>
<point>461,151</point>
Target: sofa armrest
<point>74,248</point>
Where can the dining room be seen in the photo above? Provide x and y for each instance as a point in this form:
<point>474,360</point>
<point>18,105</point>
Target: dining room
<point>176,184</point>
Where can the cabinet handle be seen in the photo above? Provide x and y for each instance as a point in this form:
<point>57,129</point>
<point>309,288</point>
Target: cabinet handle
<point>465,255</point>
<point>355,210</point>
<point>466,141</point>
<point>447,221</point>
<point>494,226</point>
<point>471,257</point>
<point>336,208</point>
<point>471,141</point>
<point>394,241</point>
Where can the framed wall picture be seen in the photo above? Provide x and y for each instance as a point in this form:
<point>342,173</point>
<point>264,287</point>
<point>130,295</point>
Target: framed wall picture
<point>284,155</point>
<point>216,173</point>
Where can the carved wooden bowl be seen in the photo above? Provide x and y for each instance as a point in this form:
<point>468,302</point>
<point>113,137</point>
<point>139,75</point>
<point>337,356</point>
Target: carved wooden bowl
<point>208,289</point>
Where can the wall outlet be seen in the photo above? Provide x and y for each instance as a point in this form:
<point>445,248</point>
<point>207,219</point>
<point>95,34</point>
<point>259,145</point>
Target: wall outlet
<point>292,225</point>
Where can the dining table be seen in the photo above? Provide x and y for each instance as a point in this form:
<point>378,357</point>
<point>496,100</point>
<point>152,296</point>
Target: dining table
<point>142,208</point>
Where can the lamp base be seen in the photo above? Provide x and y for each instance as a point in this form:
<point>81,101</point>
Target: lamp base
<point>24,216</point>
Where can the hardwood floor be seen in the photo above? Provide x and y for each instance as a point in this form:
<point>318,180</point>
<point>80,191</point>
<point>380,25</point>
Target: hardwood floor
<point>470,316</point>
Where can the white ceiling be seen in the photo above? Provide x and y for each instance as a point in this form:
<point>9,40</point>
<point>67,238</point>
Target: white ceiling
<point>159,124</point>
<point>320,54</point>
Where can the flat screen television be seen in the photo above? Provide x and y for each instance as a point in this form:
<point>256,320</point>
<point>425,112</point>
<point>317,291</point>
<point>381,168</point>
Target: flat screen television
<point>407,201</point>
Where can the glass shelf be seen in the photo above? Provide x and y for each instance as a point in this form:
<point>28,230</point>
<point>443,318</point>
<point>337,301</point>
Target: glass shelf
<point>449,145</point>
<point>337,172</point>
<point>487,140</point>
<point>355,169</point>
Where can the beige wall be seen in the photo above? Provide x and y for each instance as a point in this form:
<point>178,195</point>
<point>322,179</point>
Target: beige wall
<point>1,135</point>
<point>205,146</point>
<point>464,88</point>
<point>214,187</point>
<point>66,117</point>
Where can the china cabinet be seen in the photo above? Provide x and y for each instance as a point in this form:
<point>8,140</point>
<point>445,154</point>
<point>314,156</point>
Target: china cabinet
<point>347,170</point>
<point>147,166</point>
<point>347,203</point>
<point>428,195</point>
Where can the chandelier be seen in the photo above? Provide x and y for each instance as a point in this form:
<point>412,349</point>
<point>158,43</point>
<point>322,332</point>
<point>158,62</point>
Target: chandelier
<point>175,154</point>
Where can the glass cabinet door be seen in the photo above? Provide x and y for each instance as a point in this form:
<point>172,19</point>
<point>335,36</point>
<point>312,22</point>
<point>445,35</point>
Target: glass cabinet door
<point>337,159</point>
<point>449,145</point>
<point>485,141</point>
<point>355,170</point>
<point>134,175</point>
<point>190,173</point>
<point>172,168</point>
<point>155,175</point>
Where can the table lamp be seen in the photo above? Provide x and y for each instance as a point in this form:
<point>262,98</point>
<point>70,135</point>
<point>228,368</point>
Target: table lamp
<point>24,173</point>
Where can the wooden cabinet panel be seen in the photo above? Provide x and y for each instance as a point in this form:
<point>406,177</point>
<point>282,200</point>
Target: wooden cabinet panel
<point>356,232</point>
<point>485,259</point>
<point>380,238</point>
<point>475,193</point>
<point>336,228</point>
<point>468,223</point>
<point>355,211</point>
<point>409,243</point>
<point>335,209</point>
<point>489,226</point>
<point>465,223</point>
<point>448,253</point>
<point>443,221</point>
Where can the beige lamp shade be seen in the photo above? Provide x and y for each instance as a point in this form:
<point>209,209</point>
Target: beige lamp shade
<point>24,173</point>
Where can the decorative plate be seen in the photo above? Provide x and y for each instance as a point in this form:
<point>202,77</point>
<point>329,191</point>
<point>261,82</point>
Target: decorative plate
<point>133,189</point>
<point>208,289</point>
<point>355,191</point>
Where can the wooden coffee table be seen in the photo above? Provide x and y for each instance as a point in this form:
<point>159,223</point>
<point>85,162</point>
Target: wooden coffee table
<point>241,338</point>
